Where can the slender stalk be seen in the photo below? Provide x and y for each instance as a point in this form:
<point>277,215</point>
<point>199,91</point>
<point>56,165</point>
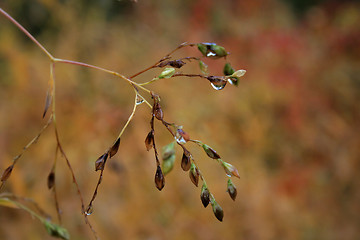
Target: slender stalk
<point>18,25</point>
<point>58,60</point>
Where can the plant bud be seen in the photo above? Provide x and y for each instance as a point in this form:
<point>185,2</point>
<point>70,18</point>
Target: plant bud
<point>210,152</point>
<point>167,73</point>
<point>185,161</point>
<point>205,195</point>
<point>6,174</point>
<point>238,73</point>
<point>159,179</point>
<point>114,149</point>
<point>158,113</point>
<point>183,134</point>
<point>231,189</point>
<point>212,50</point>
<point>56,230</point>
<point>176,63</point>
<point>194,174</point>
<point>203,67</point>
<point>149,140</point>
<point>219,51</point>
<point>168,164</point>
<point>218,212</point>
<point>51,180</point>
<point>228,70</point>
<point>230,169</point>
<point>100,162</point>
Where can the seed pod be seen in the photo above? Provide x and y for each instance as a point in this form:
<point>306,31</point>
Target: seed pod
<point>114,149</point>
<point>228,69</point>
<point>230,169</point>
<point>176,63</point>
<point>205,195</point>
<point>159,179</point>
<point>149,140</point>
<point>218,212</point>
<point>238,73</point>
<point>51,180</point>
<point>194,174</point>
<point>210,152</point>
<point>56,230</point>
<point>168,151</point>
<point>231,189</point>
<point>203,67</point>
<point>183,134</point>
<point>100,162</point>
<point>219,51</point>
<point>157,111</point>
<point>167,73</point>
<point>211,50</point>
<point>6,174</point>
<point>186,161</point>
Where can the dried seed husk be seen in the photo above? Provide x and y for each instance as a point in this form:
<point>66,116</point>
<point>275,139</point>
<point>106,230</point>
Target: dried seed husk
<point>114,149</point>
<point>159,179</point>
<point>205,195</point>
<point>149,140</point>
<point>158,113</point>
<point>194,175</point>
<point>7,172</point>
<point>186,161</point>
<point>100,162</point>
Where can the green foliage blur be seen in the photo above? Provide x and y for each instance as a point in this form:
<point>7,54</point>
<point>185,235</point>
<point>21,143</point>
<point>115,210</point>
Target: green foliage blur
<point>291,127</point>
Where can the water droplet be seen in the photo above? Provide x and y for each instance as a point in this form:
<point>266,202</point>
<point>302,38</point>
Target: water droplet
<point>139,100</point>
<point>210,54</point>
<point>218,86</point>
<point>179,139</point>
<point>89,210</point>
<point>229,175</point>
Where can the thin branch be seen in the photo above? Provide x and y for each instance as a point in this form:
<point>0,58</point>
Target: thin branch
<point>26,33</point>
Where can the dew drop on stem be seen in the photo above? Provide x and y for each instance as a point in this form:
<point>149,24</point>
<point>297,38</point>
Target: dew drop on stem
<point>218,86</point>
<point>139,100</point>
<point>89,210</point>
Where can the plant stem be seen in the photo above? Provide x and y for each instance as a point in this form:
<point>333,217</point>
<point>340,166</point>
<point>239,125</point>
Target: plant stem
<point>26,33</point>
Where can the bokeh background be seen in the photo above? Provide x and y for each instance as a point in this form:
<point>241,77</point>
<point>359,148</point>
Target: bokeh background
<point>291,127</point>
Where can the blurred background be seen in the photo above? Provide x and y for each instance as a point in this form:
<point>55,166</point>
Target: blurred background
<point>291,127</point>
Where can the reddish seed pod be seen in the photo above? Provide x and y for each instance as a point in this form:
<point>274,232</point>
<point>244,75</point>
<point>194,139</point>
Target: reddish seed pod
<point>149,140</point>
<point>100,162</point>
<point>194,175</point>
<point>159,179</point>
<point>114,149</point>
<point>158,113</point>
<point>6,174</point>
<point>205,195</point>
<point>185,161</point>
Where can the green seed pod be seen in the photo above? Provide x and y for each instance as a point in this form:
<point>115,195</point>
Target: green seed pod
<point>231,189</point>
<point>167,73</point>
<point>202,48</point>
<point>228,69</point>
<point>219,51</point>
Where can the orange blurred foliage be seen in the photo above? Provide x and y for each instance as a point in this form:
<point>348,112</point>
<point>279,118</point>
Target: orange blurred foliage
<point>289,128</point>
